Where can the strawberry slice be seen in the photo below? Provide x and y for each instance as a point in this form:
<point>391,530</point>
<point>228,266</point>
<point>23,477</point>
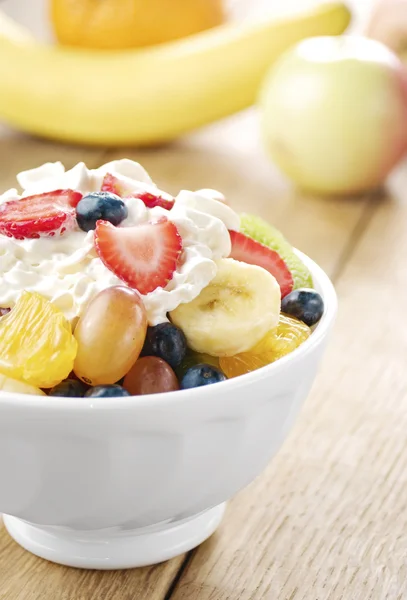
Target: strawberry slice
<point>41,215</point>
<point>249,251</point>
<point>152,200</point>
<point>145,257</point>
<point>116,186</point>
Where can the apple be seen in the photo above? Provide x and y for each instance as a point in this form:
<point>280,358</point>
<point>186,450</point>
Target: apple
<point>334,114</point>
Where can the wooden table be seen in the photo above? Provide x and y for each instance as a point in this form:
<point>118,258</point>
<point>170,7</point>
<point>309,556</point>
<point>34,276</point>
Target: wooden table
<point>328,519</point>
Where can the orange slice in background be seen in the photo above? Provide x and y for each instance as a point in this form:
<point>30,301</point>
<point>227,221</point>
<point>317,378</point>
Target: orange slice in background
<point>119,24</point>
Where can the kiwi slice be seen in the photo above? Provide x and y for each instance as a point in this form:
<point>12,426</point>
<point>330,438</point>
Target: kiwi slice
<point>266,234</point>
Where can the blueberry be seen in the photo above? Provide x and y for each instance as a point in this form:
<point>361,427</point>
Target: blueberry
<point>306,305</point>
<point>201,375</point>
<point>106,391</point>
<point>100,205</point>
<point>167,342</point>
<point>70,388</point>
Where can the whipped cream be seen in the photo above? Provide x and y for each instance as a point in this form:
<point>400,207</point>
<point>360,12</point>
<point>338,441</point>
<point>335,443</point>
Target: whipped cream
<point>67,269</point>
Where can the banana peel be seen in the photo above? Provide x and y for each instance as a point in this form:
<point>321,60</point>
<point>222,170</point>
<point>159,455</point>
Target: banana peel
<point>147,96</point>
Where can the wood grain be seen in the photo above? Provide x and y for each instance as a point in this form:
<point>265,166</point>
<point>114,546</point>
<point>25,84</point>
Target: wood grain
<point>328,519</point>
<point>227,156</point>
<point>25,577</point>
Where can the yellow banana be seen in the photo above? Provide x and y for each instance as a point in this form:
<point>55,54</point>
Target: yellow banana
<point>151,95</point>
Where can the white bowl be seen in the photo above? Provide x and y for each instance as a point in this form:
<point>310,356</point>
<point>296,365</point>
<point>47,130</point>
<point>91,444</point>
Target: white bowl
<point>126,482</point>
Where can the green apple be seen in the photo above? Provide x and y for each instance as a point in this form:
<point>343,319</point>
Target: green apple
<point>334,113</point>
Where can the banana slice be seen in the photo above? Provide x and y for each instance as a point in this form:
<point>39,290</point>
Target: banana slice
<point>233,313</point>
<point>12,385</point>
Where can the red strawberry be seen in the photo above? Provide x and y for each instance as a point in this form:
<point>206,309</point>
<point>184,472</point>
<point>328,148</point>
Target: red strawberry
<point>41,215</point>
<point>151,200</point>
<point>145,257</point>
<point>114,185</point>
<point>66,197</point>
<point>249,251</point>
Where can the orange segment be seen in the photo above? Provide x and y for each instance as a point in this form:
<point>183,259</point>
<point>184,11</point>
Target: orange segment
<point>118,24</point>
<point>36,342</point>
<point>289,334</point>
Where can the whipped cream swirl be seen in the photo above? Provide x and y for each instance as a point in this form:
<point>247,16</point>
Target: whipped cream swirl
<point>67,269</point>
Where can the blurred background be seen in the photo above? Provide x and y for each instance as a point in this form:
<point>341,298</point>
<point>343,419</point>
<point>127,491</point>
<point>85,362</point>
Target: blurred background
<point>242,55</point>
<point>231,112</point>
<point>34,14</point>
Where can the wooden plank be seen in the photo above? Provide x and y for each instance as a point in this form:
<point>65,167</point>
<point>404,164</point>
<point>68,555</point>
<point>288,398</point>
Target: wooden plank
<point>328,519</point>
<point>25,577</point>
<point>227,157</point>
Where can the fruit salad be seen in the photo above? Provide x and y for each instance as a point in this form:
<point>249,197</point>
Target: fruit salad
<point>112,287</point>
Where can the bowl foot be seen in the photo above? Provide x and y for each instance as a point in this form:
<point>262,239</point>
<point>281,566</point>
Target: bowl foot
<point>115,549</point>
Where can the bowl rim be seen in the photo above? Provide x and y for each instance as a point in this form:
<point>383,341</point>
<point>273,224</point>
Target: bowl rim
<point>322,283</point>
